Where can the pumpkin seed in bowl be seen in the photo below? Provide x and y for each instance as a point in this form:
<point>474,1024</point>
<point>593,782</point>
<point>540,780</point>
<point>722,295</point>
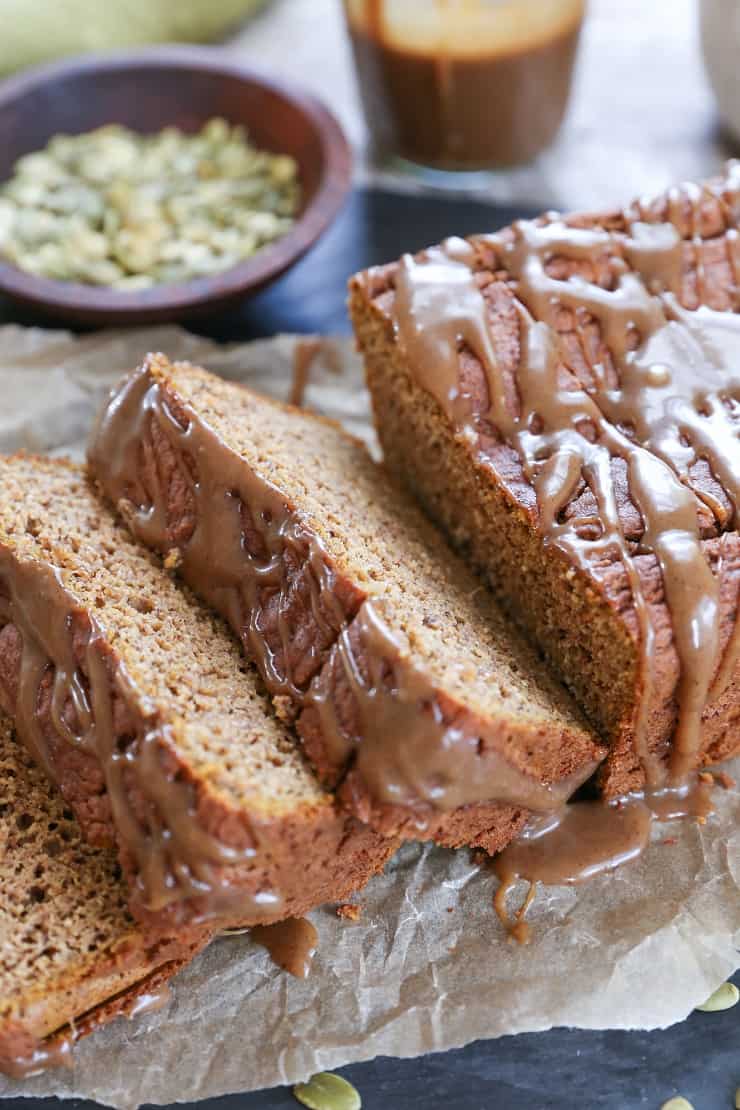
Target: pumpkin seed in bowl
<point>113,207</point>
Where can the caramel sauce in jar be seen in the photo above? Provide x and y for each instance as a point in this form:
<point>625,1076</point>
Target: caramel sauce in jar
<point>464,84</point>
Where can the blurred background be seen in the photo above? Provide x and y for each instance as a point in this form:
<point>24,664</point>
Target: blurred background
<point>564,104</point>
<point>506,107</point>
<point>642,112</point>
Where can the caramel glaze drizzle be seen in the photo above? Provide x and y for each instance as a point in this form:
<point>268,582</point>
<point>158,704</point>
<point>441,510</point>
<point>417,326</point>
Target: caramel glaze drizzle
<point>581,841</point>
<point>676,399</point>
<point>671,393</point>
<point>174,858</point>
<point>241,542</point>
<point>292,944</point>
<point>241,555</point>
<point>585,839</point>
<point>406,751</point>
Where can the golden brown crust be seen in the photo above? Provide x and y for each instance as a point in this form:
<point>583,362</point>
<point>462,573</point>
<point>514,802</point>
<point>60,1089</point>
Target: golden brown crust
<point>548,754</point>
<point>72,955</point>
<point>312,855</point>
<point>296,639</point>
<point>305,852</point>
<point>46,1041</point>
<point>481,825</point>
<point>585,624</point>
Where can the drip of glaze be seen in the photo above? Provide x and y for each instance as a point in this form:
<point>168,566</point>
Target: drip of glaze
<point>239,555</point>
<point>30,601</point>
<point>586,839</point>
<point>176,859</point>
<point>439,289</point>
<point>292,944</point>
<point>693,799</point>
<point>441,763</point>
<point>307,350</point>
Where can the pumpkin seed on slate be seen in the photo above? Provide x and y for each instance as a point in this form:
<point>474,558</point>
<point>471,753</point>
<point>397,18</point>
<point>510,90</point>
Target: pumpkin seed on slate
<point>326,1091</point>
<point>112,207</point>
<point>678,1103</point>
<point>724,998</point>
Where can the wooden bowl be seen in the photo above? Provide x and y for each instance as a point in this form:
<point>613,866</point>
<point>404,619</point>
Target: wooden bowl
<point>147,90</point>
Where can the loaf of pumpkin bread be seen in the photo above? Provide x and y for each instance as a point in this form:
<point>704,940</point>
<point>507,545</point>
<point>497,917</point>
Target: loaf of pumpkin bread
<point>137,701</point>
<point>563,397</point>
<point>415,699</point>
<point>72,956</point>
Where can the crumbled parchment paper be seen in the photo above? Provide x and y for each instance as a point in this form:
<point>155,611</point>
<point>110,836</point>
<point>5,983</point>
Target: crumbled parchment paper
<point>427,966</point>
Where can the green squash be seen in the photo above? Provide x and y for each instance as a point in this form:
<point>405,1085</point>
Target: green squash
<point>38,30</point>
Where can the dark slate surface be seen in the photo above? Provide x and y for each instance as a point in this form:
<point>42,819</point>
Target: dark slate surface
<point>562,1069</point>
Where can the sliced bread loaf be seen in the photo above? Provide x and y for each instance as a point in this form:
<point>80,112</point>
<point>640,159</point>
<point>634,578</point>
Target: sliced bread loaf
<point>413,695</point>
<point>138,702</point>
<point>69,950</point>
<point>562,397</point>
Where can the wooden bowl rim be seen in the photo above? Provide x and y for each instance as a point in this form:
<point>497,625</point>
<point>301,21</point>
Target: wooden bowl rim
<point>269,262</point>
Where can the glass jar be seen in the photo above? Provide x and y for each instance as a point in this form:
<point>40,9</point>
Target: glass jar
<point>720,36</point>
<point>464,84</point>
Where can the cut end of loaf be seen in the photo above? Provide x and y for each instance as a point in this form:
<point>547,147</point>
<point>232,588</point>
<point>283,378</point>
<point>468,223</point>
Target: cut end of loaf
<point>560,283</point>
<point>489,519</point>
<point>68,940</point>
<point>177,653</point>
<point>358,545</point>
<point>378,538</point>
<point>241,778</point>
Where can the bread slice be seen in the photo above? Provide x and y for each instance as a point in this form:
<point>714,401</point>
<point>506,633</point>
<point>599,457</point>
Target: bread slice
<point>71,955</point>
<point>561,285</point>
<point>138,702</point>
<point>413,695</point>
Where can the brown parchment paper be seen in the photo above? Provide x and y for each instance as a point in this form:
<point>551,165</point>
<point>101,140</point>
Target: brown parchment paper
<point>427,967</point>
